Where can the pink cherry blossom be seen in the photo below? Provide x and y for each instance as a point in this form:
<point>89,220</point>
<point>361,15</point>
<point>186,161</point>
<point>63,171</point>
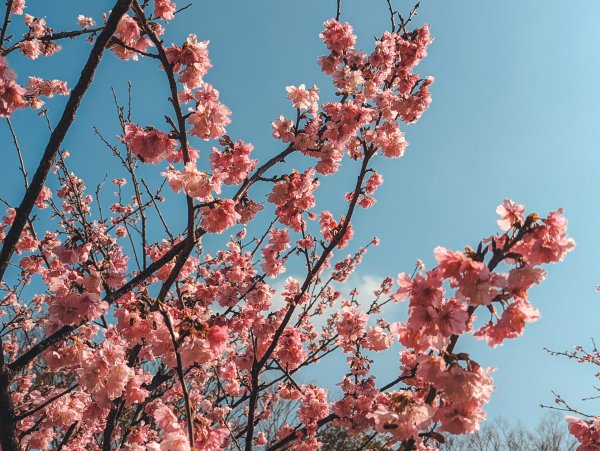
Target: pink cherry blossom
<point>293,196</point>
<point>17,7</point>
<point>194,56</point>
<point>195,183</point>
<point>234,163</point>
<point>511,323</point>
<point>337,37</point>
<point>85,22</point>
<point>218,218</point>
<point>210,117</point>
<point>283,129</point>
<point>510,213</point>
<point>165,9</point>
<point>301,97</point>
<point>11,93</point>
<point>149,144</point>
<point>129,32</point>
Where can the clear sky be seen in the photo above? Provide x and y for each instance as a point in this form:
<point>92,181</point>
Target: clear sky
<point>514,114</point>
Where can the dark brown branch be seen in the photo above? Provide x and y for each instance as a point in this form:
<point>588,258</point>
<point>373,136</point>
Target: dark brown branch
<point>258,365</point>
<point>67,436</point>
<point>65,331</point>
<point>45,403</point>
<point>6,22</point>
<point>52,37</point>
<point>59,133</point>
<point>191,232</point>
<point>8,432</point>
<point>19,154</point>
<point>8,438</point>
<point>392,15</point>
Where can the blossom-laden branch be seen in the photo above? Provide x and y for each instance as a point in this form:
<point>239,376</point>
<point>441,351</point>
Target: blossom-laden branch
<point>58,134</point>
<point>583,426</point>
<point>8,439</point>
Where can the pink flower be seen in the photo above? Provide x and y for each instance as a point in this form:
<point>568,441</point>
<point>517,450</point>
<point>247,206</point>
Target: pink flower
<point>390,140</point>
<point>31,49</point>
<point>150,145</point>
<point>412,107</point>
<point>11,93</point>
<point>404,417</point>
<point>117,379</point>
<point>37,87</point>
<point>175,441</point>
<point>511,214</point>
<point>217,336</point>
<point>351,328</point>
<point>294,195</point>
<point>338,37</point>
<point>283,129</point>
<point>313,406</point>
<point>477,285</point>
<point>85,22</point>
<point>37,26</point>
<point>134,392</point>
<point>460,418</point>
<point>193,55</point>
<point>451,318</point>
<point>376,339</point>
<point>129,32</point>
<point>290,352</point>
<point>220,217</point>
<point>330,228</point>
<point>374,181</point>
<point>210,117</point>
<point>247,209</point>
<point>17,7</point>
<point>166,419</point>
<point>72,254</point>
<point>521,279</point>
<point>165,9</point>
<point>279,240</point>
<point>301,97</point>
<point>510,325</point>
<point>48,88</point>
<point>45,194</point>
<point>547,243</point>
<point>405,287</point>
<point>261,439</point>
<point>195,183</point>
<point>234,163</point>
<point>587,432</point>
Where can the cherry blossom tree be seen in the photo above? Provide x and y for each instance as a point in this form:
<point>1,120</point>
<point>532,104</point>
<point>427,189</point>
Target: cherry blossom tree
<point>112,339</point>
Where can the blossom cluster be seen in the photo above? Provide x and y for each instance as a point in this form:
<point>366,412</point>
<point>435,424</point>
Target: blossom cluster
<point>442,387</point>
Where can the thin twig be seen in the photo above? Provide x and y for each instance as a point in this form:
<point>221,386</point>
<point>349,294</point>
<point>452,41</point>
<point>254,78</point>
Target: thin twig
<point>19,154</point>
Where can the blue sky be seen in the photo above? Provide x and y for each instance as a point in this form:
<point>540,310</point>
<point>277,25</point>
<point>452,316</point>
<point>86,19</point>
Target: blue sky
<point>514,114</point>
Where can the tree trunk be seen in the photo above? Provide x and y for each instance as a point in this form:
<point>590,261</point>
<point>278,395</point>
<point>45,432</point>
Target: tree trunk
<point>8,430</point>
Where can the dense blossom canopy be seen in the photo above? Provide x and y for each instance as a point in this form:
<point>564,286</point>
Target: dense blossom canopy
<point>164,345</point>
